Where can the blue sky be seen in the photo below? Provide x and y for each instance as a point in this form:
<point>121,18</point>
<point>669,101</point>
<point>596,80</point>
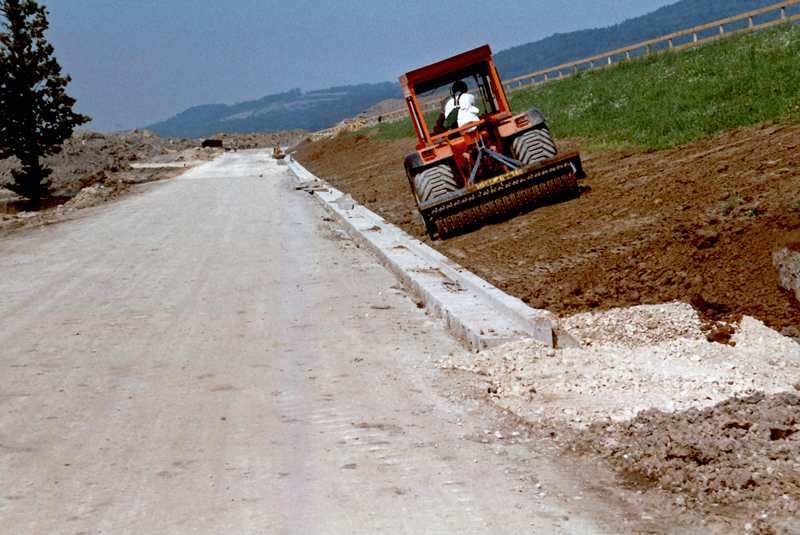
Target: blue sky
<point>136,62</point>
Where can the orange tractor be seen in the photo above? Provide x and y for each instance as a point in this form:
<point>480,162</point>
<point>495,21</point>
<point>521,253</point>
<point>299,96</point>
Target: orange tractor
<point>476,162</point>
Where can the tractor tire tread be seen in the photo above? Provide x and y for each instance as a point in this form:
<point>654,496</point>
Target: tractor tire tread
<point>533,146</point>
<point>435,182</point>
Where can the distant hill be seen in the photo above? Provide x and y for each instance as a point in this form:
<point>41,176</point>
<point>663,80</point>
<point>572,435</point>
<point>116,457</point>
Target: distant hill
<point>318,110</point>
<point>292,110</point>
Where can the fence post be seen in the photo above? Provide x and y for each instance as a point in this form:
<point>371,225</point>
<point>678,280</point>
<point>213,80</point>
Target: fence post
<point>628,54</point>
<point>670,42</point>
<point>751,21</point>
<point>648,50</point>
<point>721,29</point>
<point>694,37</point>
<point>783,12</point>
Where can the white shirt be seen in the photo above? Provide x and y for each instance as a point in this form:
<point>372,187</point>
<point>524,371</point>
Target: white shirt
<point>467,112</point>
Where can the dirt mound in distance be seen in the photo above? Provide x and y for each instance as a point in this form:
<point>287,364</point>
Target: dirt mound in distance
<point>262,141</point>
<point>89,158</point>
<point>94,168</point>
<point>387,106</point>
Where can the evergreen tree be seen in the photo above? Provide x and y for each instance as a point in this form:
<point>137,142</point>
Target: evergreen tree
<point>35,113</point>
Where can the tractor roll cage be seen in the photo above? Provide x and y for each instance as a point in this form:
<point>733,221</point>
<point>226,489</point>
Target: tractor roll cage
<point>475,64</point>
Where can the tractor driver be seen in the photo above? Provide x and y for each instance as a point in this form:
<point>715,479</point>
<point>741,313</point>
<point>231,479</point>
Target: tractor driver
<point>458,110</point>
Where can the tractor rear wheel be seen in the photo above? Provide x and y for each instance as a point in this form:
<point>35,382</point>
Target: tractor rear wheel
<point>435,182</point>
<point>534,146</point>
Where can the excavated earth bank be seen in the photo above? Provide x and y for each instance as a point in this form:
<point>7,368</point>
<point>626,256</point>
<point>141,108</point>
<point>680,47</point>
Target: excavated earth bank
<point>683,383</point>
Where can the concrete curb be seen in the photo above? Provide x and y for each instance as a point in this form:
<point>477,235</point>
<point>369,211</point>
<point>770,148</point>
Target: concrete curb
<point>477,312</point>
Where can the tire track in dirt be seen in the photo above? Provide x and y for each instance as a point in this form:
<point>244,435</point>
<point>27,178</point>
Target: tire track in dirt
<point>404,466</point>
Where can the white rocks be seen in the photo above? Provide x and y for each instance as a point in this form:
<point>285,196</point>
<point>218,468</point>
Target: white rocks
<point>752,330</point>
<point>666,364</point>
<point>346,202</point>
<point>787,263</point>
<point>634,325</point>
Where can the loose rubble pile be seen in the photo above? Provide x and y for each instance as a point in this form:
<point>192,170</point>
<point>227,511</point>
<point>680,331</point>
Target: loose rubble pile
<point>742,451</point>
<point>90,159</point>
<point>632,360</point>
<point>92,169</point>
<point>715,425</point>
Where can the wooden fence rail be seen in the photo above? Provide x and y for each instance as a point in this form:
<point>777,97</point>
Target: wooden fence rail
<point>658,45</point>
<point>650,47</point>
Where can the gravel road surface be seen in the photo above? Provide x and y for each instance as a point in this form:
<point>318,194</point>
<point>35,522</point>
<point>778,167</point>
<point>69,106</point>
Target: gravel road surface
<point>213,356</point>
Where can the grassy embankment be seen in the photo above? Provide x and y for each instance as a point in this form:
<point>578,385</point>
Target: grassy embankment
<point>669,99</point>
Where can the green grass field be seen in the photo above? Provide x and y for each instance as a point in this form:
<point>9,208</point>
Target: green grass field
<point>669,99</point>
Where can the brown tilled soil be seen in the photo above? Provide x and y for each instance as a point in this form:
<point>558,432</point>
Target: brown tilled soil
<point>738,458</point>
<point>698,223</point>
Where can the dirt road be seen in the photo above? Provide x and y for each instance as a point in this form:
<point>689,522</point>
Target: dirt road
<point>215,357</point>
